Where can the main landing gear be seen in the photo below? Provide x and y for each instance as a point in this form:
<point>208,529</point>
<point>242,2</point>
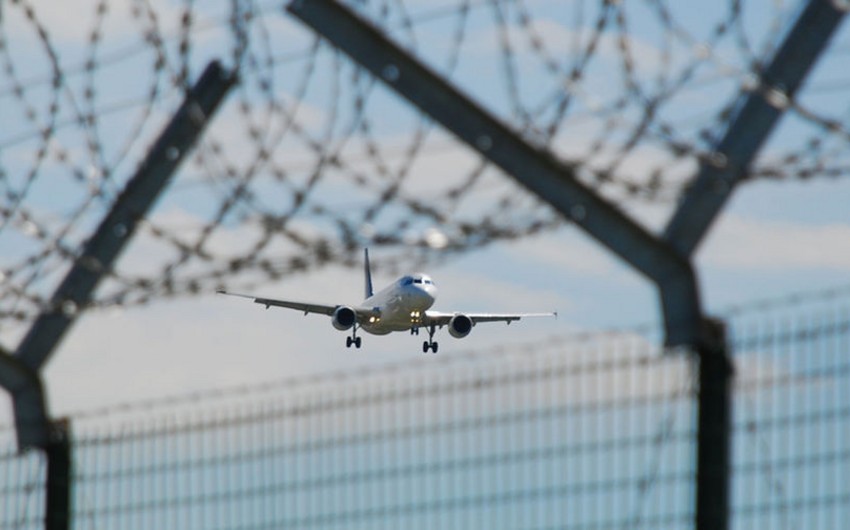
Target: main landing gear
<point>353,339</point>
<point>429,344</point>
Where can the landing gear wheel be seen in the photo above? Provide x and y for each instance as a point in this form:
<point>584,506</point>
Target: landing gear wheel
<point>353,339</point>
<point>429,344</point>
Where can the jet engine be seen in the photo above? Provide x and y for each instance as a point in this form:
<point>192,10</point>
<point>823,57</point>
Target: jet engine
<point>343,318</point>
<point>460,326</point>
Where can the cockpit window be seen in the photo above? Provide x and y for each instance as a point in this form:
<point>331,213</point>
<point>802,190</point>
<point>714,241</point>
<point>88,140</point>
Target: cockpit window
<point>418,280</point>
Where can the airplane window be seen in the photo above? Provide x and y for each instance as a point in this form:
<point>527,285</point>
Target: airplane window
<point>407,280</point>
<point>417,280</point>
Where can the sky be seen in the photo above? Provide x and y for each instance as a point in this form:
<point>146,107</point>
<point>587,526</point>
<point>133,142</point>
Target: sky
<point>775,237</point>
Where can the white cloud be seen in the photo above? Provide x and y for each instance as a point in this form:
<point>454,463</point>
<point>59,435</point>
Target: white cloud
<point>569,250</point>
<point>76,19</point>
<point>738,242</point>
<point>471,291</point>
<point>560,39</point>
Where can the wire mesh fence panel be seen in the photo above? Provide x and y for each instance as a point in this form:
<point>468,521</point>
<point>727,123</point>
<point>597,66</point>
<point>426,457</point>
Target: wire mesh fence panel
<point>592,437</point>
<point>791,416</point>
<point>22,490</point>
<point>592,433</point>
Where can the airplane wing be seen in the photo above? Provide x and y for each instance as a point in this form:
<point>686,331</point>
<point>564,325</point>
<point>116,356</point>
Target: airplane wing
<point>299,306</point>
<point>442,319</point>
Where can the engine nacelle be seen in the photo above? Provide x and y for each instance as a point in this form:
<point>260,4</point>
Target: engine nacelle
<point>343,318</point>
<point>460,326</point>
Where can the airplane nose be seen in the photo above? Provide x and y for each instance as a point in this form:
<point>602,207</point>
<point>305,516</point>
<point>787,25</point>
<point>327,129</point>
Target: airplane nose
<point>426,295</point>
<point>431,293</point>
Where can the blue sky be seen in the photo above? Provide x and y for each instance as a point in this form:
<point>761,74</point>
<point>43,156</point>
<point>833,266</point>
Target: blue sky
<point>775,236</point>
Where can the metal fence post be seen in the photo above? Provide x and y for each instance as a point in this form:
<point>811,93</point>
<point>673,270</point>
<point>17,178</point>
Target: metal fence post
<point>59,486</point>
<point>714,428</point>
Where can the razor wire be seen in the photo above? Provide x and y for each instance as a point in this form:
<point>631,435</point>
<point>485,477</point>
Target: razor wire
<point>312,158</point>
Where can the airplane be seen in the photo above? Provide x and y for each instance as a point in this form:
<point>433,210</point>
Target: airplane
<point>402,306</point>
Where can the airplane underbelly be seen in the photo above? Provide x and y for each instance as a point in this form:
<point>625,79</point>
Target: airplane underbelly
<point>399,318</point>
<point>387,325</point>
<point>376,329</point>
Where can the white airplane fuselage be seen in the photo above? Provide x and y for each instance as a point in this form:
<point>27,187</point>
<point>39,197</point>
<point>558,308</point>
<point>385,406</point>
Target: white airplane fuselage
<point>401,305</point>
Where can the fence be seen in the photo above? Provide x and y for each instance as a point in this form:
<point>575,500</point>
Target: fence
<point>792,419</point>
<point>595,435</point>
<point>563,433</point>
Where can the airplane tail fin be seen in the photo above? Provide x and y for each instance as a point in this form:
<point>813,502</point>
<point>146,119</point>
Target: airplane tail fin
<point>367,272</point>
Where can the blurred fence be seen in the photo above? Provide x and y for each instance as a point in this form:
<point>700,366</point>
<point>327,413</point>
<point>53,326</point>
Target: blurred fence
<point>585,433</point>
<point>792,417</point>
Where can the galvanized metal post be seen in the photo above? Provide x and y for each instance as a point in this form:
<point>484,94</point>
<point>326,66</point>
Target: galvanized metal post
<point>60,470</point>
<point>714,431</point>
